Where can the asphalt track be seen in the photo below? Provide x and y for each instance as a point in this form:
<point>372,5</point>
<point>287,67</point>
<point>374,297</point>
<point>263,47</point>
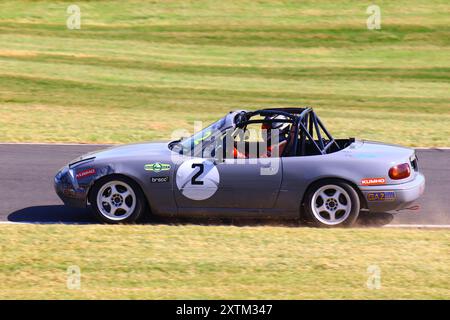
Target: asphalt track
<point>27,195</point>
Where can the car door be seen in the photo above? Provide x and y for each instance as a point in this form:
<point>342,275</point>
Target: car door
<point>230,183</point>
<point>254,183</point>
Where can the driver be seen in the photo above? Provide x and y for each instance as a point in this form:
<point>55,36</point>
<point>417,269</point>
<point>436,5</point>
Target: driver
<point>283,132</point>
<point>272,146</point>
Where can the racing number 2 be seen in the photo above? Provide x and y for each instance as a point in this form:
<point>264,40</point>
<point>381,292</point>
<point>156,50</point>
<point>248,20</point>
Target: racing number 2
<point>194,180</point>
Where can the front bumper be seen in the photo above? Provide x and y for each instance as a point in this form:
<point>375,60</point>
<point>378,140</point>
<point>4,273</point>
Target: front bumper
<point>69,190</point>
<point>394,197</point>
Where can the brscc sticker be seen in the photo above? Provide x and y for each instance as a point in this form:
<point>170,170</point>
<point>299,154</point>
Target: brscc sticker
<point>197,179</point>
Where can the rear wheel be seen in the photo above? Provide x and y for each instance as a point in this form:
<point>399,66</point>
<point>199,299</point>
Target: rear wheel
<point>117,199</point>
<point>332,203</point>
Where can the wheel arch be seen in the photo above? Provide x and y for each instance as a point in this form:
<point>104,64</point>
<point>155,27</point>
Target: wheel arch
<point>362,200</point>
<point>99,179</point>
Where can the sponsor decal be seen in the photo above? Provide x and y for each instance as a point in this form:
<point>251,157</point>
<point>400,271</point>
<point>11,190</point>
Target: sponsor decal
<point>205,136</point>
<point>381,196</point>
<point>85,173</point>
<point>373,181</point>
<point>157,167</point>
<point>159,179</point>
<point>197,179</point>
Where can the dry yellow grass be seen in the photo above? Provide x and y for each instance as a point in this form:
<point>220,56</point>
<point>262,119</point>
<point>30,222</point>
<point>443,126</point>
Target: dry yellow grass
<point>221,262</point>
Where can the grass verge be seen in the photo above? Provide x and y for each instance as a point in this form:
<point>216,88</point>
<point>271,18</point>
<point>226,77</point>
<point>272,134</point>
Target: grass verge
<point>217,262</point>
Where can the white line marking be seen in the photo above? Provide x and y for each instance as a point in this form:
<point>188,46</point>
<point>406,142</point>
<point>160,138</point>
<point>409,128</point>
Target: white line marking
<point>432,148</point>
<point>427,226</point>
<point>62,223</point>
<point>400,226</point>
<point>54,144</point>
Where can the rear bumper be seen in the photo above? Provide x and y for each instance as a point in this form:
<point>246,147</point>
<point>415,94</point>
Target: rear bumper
<point>394,197</point>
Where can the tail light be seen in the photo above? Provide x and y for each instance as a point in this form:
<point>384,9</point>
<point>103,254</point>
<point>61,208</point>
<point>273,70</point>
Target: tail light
<point>400,171</point>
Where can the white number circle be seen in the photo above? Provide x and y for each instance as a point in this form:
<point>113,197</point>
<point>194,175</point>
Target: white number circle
<point>197,179</point>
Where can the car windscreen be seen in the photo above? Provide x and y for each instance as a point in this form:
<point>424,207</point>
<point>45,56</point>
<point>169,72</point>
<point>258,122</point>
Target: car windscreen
<point>201,139</point>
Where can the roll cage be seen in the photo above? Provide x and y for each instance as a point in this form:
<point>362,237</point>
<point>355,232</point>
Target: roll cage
<point>306,125</point>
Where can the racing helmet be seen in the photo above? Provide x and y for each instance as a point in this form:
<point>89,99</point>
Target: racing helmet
<point>281,126</point>
<point>274,124</point>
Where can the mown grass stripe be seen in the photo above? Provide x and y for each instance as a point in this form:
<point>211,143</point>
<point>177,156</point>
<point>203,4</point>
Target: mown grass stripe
<point>145,63</point>
<point>337,73</point>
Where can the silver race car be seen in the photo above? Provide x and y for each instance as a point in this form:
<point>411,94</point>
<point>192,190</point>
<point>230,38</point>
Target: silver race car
<point>270,163</point>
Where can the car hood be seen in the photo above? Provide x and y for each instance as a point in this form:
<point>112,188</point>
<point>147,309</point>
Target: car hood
<point>148,149</point>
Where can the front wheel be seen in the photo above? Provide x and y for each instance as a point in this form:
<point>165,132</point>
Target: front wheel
<point>332,203</point>
<point>117,199</point>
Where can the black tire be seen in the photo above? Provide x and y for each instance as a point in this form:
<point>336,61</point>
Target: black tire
<point>135,202</point>
<point>330,210</point>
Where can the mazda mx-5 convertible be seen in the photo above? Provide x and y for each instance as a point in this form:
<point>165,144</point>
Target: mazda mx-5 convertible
<point>271,163</point>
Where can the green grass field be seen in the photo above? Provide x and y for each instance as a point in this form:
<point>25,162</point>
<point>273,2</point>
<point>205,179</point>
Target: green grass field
<point>136,70</point>
<point>222,262</point>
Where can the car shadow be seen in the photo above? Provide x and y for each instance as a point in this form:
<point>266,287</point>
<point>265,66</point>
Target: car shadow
<point>53,214</point>
<point>60,214</point>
